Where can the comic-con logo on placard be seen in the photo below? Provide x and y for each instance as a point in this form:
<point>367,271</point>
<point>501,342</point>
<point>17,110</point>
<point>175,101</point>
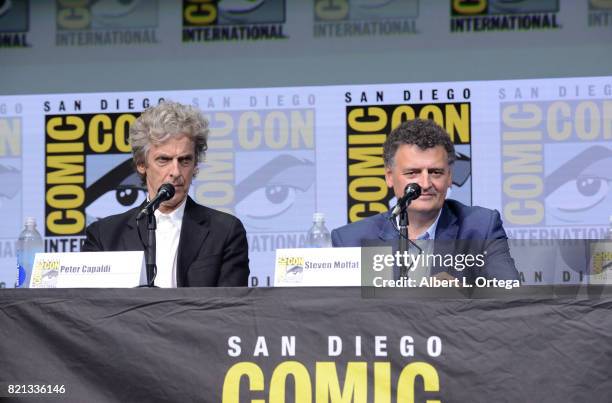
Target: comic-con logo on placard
<point>600,13</point>
<point>290,269</point>
<point>350,18</point>
<point>45,273</point>
<point>106,22</point>
<point>89,174</point>
<point>367,127</point>
<point>503,15</point>
<point>556,166</point>
<point>261,167</point>
<point>11,178</point>
<point>14,23</point>
<point>233,20</point>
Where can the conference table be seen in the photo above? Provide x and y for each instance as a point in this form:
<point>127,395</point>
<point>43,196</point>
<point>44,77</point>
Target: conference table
<point>324,344</point>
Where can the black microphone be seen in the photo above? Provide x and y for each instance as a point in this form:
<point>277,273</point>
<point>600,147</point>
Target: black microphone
<point>411,192</point>
<point>165,192</point>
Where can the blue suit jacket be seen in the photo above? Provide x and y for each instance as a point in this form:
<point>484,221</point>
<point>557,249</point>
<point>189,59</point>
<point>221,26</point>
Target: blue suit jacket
<point>474,230</point>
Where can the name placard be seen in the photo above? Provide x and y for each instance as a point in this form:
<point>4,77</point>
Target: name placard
<point>88,270</point>
<point>317,267</point>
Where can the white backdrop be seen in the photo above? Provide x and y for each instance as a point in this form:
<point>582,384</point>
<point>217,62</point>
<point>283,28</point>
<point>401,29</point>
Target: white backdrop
<point>539,151</point>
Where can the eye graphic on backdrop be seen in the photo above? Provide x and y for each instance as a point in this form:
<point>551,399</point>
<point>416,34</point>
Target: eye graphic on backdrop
<point>5,6</point>
<point>508,6</point>
<point>585,191</point>
<point>116,201</point>
<point>10,178</point>
<point>113,8</point>
<point>237,10</point>
<point>115,192</point>
<point>369,4</point>
<point>581,186</point>
<point>274,192</point>
<point>522,6</point>
<point>239,6</point>
<point>462,169</point>
<point>274,199</point>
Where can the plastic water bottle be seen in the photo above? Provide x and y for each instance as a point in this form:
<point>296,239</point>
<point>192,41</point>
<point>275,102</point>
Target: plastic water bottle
<point>318,235</point>
<point>29,243</point>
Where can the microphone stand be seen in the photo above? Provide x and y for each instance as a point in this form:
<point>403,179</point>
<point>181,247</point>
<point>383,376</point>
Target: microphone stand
<point>166,192</point>
<point>150,250</point>
<point>403,238</point>
<point>404,241</point>
<point>411,191</point>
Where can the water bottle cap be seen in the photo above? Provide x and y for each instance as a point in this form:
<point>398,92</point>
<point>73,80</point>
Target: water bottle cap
<point>318,217</point>
<point>30,221</point>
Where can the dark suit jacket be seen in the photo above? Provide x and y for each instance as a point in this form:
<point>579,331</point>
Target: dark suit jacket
<point>212,250</point>
<point>461,229</point>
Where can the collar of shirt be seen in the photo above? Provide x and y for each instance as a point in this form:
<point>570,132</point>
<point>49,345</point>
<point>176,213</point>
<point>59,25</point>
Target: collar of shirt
<point>431,231</point>
<point>175,217</point>
<point>168,234</point>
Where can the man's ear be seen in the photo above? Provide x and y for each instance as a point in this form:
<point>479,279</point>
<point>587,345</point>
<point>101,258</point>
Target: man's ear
<point>388,177</point>
<point>141,168</point>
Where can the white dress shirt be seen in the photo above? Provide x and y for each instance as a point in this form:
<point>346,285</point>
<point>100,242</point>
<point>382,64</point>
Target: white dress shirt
<point>167,236</point>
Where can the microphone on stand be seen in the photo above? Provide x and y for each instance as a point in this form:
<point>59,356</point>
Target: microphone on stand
<point>165,192</point>
<point>411,192</point>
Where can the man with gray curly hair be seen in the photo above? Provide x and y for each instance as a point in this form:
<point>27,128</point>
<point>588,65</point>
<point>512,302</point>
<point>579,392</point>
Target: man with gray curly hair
<point>420,151</point>
<point>196,245</point>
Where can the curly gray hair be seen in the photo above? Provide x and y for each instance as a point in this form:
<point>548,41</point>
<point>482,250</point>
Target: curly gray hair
<point>423,133</point>
<point>158,124</point>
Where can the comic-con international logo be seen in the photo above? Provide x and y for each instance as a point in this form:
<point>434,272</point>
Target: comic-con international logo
<point>602,262</point>
<point>45,273</point>
<point>11,178</point>
<point>233,20</point>
<point>260,166</point>
<point>290,269</point>
<point>503,15</point>
<point>14,23</point>
<point>367,128</point>
<point>106,22</point>
<point>556,167</point>
<point>349,18</point>
<point>88,172</point>
<point>600,13</point>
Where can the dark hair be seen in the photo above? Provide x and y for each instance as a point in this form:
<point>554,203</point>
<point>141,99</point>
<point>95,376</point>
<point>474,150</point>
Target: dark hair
<point>423,133</point>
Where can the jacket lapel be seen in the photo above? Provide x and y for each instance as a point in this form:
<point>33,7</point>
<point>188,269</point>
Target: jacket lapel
<point>194,230</point>
<point>387,231</point>
<point>447,228</point>
<point>132,238</point>
<point>446,232</point>
<point>446,239</point>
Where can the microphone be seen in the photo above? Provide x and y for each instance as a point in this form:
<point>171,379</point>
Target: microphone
<point>411,192</point>
<point>165,192</point>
